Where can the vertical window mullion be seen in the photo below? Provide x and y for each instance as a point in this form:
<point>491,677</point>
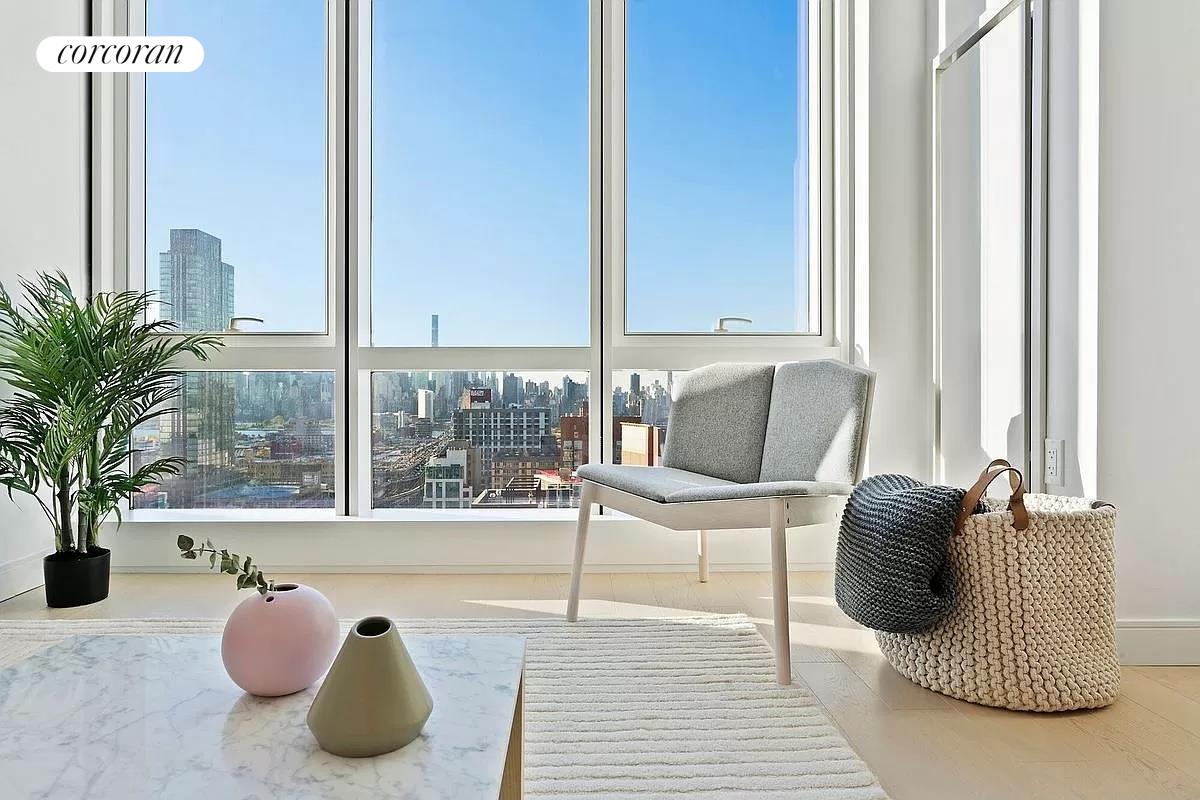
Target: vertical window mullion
<point>599,436</point>
<point>350,123</point>
<point>339,124</point>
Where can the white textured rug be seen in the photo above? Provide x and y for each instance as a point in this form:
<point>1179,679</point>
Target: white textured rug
<point>629,708</point>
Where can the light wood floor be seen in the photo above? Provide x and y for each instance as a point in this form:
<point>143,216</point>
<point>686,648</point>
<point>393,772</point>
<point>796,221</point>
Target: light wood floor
<point>923,746</point>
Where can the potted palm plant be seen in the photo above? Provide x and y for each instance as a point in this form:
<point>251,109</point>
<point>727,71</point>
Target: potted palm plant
<point>84,374</point>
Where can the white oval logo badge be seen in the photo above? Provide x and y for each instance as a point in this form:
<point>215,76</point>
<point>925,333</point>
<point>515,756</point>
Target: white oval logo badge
<point>120,54</point>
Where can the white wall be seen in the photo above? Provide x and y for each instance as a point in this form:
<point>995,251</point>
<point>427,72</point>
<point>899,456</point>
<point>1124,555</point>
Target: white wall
<point>892,260</point>
<point>1123,292</point>
<point>1149,306</point>
<point>42,169</point>
<point>1072,241</point>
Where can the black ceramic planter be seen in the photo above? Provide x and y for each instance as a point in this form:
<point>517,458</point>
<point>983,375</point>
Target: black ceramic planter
<point>76,580</point>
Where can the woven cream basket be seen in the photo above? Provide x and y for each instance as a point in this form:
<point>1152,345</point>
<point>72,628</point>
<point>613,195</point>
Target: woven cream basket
<point>1032,628</point>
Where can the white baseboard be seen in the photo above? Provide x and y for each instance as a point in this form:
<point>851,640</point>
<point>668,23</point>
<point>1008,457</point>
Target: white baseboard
<point>1159,642</point>
<point>21,575</point>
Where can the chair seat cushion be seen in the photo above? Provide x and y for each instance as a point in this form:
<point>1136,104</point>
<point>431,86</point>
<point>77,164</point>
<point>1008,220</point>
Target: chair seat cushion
<point>746,491</point>
<point>669,485</point>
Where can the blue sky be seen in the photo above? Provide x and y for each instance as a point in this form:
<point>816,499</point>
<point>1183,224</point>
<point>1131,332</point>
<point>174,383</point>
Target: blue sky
<point>237,149</point>
<point>712,145</point>
<point>480,160</point>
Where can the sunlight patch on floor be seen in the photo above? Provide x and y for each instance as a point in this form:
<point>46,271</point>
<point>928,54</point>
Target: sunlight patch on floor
<point>830,637</point>
<point>811,599</point>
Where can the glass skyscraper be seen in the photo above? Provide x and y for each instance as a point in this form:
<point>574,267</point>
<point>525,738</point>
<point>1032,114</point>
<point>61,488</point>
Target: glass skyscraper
<point>195,285</point>
<point>197,289</point>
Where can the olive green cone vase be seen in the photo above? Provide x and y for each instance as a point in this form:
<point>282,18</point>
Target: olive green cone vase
<point>373,700</point>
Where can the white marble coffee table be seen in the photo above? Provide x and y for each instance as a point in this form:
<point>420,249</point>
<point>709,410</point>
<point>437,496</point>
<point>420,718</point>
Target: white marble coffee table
<point>156,717</point>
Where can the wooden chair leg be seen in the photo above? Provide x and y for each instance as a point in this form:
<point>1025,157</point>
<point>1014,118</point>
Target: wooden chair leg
<point>702,554</point>
<point>585,516</point>
<point>779,592</point>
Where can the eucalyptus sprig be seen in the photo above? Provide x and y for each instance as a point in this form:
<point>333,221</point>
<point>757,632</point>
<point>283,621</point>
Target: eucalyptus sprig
<point>249,575</point>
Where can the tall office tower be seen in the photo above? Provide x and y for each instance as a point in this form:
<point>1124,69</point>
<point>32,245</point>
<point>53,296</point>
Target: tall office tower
<point>457,383</point>
<point>424,404</point>
<point>195,283</point>
<point>198,288</point>
<point>620,402</point>
<point>511,395</point>
<point>574,396</point>
<point>633,403</point>
<point>494,429</point>
<point>201,429</point>
<point>433,336</point>
<point>498,432</point>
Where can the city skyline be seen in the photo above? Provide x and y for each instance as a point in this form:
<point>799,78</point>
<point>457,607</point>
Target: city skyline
<point>477,439</point>
<point>495,439</point>
<point>440,439</point>
<point>247,439</point>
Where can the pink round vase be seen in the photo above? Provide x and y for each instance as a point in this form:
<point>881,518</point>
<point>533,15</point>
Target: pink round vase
<point>280,642</point>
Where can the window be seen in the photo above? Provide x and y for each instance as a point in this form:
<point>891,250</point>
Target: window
<point>249,439</point>
<point>235,166</point>
<point>641,403</point>
<point>228,219</point>
<point>479,173</point>
<point>478,440</point>
<point>452,217</point>
<point>717,166</point>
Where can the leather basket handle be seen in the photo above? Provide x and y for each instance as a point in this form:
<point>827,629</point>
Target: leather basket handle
<point>1016,502</point>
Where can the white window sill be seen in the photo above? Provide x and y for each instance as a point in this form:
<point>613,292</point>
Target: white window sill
<point>277,516</point>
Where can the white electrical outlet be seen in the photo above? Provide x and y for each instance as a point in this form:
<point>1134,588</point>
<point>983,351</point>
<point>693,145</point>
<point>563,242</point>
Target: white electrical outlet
<point>1053,463</point>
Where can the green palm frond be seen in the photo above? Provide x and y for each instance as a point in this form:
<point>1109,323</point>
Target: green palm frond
<point>84,376</point>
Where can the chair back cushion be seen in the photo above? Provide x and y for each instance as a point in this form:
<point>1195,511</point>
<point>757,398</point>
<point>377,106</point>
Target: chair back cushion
<point>718,421</point>
<point>817,422</point>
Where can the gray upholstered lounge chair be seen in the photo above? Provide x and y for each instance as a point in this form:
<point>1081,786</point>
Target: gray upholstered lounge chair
<point>748,446</point>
